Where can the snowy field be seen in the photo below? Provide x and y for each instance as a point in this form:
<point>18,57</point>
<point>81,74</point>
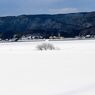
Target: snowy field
<point>67,71</point>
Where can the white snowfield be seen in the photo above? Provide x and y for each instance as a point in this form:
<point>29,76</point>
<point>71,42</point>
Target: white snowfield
<point>68,71</point>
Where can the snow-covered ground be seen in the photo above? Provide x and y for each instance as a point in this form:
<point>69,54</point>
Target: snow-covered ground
<point>67,71</point>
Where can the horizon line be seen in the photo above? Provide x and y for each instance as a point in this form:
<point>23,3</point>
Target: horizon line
<point>47,14</point>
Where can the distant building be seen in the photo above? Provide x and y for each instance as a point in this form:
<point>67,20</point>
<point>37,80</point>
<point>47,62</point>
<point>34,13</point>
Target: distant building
<point>55,37</point>
<point>27,37</point>
<point>36,37</point>
<point>88,36</point>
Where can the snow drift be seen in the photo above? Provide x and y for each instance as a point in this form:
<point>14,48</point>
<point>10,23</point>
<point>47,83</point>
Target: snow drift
<point>68,71</point>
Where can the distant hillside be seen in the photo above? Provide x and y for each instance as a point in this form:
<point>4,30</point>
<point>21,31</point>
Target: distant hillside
<point>67,25</point>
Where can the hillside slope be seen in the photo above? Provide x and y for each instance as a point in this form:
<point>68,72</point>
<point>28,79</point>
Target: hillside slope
<point>67,25</point>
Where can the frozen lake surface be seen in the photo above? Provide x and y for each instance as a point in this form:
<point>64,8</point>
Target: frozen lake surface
<point>67,71</point>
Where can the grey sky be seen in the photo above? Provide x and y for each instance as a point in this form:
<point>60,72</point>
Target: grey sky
<point>18,7</point>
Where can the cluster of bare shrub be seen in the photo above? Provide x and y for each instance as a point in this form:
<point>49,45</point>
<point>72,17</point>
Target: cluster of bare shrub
<point>46,46</point>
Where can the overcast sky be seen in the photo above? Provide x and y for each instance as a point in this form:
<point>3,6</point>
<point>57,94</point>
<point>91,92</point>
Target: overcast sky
<point>18,7</point>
